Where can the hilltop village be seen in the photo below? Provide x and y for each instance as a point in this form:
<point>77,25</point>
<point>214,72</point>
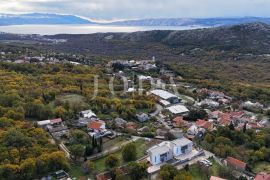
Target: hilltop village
<point>150,125</point>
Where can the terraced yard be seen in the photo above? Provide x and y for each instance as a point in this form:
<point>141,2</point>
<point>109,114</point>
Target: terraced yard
<point>141,145</point>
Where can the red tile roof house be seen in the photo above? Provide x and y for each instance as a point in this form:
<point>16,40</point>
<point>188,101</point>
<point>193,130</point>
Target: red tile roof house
<point>225,119</point>
<point>104,176</point>
<point>131,126</point>
<point>205,124</point>
<point>253,126</point>
<point>215,178</point>
<point>262,176</point>
<point>179,121</point>
<point>235,164</point>
<point>56,121</point>
<point>96,125</point>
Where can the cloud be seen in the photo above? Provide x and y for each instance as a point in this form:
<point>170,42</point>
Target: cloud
<point>133,9</point>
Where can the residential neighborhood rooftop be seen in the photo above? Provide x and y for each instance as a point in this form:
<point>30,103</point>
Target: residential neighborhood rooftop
<point>161,149</point>
<point>181,142</point>
<point>236,162</point>
<point>96,125</point>
<point>163,94</point>
<point>54,121</point>
<point>262,176</point>
<point>177,109</point>
<point>215,178</point>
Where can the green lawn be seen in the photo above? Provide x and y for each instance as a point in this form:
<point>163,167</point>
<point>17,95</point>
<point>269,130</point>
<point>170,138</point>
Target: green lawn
<point>100,163</point>
<point>261,166</point>
<point>141,147</point>
<point>197,174</point>
<point>76,171</point>
<point>114,142</point>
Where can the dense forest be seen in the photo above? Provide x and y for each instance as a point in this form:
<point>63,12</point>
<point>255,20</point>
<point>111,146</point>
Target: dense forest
<point>32,92</point>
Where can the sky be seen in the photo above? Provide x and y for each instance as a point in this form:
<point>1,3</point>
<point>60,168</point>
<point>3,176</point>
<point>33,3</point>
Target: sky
<point>139,9</point>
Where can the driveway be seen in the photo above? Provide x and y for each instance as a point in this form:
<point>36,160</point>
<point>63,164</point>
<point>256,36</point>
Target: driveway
<point>161,119</point>
<point>157,111</point>
<point>113,149</point>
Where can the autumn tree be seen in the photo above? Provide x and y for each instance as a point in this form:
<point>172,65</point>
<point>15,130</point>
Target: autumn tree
<point>167,172</point>
<point>111,162</point>
<point>137,171</point>
<point>17,139</point>
<point>88,167</point>
<point>129,152</point>
<point>77,150</point>
<point>195,114</point>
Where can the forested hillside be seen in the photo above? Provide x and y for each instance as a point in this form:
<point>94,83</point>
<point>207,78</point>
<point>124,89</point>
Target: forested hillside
<point>231,58</point>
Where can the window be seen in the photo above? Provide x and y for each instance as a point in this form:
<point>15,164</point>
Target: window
<point>184,148</point>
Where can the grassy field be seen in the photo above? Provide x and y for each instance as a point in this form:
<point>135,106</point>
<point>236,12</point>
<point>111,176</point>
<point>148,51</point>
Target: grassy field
<point>262,166</point>
<point>76,171</point>
<point>108,143</point>
<point>197,174</point>
<point>141,147</point>
<point>72,99</point>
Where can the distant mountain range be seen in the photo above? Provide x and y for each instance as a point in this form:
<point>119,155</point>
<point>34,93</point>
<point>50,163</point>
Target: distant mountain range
<point>41,18</point>
<point>207,22</point>
<point>248,38</point>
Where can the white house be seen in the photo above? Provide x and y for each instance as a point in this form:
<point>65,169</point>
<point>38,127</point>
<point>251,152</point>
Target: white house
<point>43,123</point>
<point>168,150</point>
<point>88,114</point>
<point>209,103</point>
<point>249,105</point>
<point>181,146</point>
<point>160,153</point>
<point>142,77</point>
<point>193,130</point>
<point>53,122</point>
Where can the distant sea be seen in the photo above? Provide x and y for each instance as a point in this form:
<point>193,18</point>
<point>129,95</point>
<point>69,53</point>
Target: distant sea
<point>84,29</point>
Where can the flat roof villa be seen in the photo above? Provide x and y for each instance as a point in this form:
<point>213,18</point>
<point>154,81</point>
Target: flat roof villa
<point>169,150</point>
<point>160,153</point>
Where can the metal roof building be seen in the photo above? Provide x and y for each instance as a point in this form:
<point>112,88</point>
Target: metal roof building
<point>178,109</point>
<point>163,94</point>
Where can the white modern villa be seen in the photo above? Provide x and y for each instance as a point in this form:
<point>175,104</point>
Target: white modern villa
<point>168,150</point>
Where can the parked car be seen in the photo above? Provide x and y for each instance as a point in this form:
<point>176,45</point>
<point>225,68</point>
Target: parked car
<point>61,174</point>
